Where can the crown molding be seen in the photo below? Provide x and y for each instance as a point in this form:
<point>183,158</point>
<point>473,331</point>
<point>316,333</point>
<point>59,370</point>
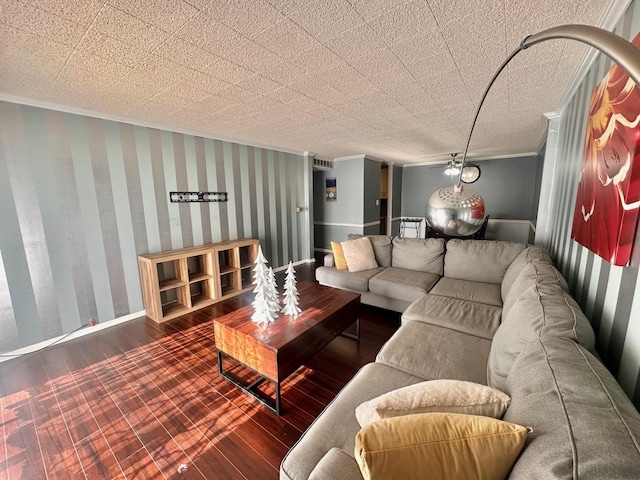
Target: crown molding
<point>471,160</point>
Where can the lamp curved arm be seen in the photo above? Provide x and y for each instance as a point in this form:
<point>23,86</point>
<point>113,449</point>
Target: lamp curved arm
<point>621,51</point>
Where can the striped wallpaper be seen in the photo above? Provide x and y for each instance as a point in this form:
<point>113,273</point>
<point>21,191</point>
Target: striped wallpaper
<point>81,197</point>
<point>609,295</point>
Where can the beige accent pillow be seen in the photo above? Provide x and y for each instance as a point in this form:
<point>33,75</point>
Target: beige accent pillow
<point>452,396</point>
<point>359,254</point>
<point>338,256</point>
<point>438,445</point>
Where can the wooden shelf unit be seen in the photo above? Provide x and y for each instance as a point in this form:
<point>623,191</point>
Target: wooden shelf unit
<point>176,282</point>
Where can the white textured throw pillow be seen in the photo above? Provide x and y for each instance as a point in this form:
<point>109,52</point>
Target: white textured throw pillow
<point>452,396</point>
<point>359,254</point>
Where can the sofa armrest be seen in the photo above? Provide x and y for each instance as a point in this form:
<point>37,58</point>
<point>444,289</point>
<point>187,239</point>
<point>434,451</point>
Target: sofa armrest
<point>338,465</point>
<point>328,260</point>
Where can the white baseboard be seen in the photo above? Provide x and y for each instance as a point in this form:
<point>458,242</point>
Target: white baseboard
<point>65,338</point>
<point>299,262</point>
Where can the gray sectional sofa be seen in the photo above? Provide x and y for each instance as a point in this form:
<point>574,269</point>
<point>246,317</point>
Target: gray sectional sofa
<point>499,314</point>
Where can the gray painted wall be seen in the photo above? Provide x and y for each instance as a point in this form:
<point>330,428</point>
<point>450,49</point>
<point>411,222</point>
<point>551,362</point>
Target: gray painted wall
<point>358,188</point>
<point>609,295</point>
<point>506,185</point>
<point>81,197</point>
<point>350,188</point>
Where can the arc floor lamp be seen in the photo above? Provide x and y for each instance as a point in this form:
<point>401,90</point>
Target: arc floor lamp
<point>459,211</point>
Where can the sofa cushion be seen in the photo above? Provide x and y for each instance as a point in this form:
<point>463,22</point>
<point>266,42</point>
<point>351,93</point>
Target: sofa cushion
<point>479,292</point>
<point>532,273</point>
<point>356,281</point>
<point>402,284</point>
<point>444,446</point>
<point>381,247</point>
<point>530,254</point>
<point>444,395</point>
<point>478,319</point>
<point>359,254</point>
<point>340,420</point>
<point>584,426</point>
<point>336,465</point>
<point>422,254</point>
<point>479,260</point>
<point>338,256</point>
<point>542,310</point>
<point>432,352</point>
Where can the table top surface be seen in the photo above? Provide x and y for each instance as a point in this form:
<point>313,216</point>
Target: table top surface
<point>317,303</point>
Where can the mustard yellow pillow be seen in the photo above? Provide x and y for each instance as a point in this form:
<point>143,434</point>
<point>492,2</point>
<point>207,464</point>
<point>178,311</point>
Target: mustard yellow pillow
<point>439,446</point>
<point>453,396</point>
<point>338,256</point>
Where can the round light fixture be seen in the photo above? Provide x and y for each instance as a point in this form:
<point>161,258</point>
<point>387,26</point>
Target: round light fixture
<point>470,173</point>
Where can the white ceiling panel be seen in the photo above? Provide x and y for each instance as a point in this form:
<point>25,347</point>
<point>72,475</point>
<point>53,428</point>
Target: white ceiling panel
<point>396,79</point>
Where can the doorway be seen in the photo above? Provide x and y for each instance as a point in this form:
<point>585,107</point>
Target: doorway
<point>384,193</point>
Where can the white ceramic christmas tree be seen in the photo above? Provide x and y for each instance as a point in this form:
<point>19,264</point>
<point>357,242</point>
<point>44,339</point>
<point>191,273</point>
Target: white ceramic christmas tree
<point>274,296</point>
<point>291,293</point>
<point>265,310</point>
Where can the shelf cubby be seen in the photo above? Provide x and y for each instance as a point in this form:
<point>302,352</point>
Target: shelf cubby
<point>246,277</point>
<point>174,301</point>
<point>169,274</point>
<point>229,284</point>
<point>247,255</point>
<point>201,293</point>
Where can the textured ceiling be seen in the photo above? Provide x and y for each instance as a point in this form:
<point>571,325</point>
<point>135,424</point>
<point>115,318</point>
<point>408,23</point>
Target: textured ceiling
<point>397,80</point>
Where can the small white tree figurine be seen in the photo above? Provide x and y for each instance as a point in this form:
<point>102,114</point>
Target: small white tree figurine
<point>291,293</point>
<point>265,310</point>
<point>274,296</point>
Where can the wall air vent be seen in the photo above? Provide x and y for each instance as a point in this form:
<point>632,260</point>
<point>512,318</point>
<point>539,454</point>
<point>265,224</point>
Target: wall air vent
<point>320,164</point>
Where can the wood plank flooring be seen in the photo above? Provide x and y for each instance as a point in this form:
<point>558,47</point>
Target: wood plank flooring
<point>138,400</point>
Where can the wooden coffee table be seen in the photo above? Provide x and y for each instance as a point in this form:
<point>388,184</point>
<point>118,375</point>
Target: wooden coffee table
<point>276,350</point>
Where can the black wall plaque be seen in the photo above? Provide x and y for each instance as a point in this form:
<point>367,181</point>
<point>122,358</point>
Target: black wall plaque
<point>180,197</point>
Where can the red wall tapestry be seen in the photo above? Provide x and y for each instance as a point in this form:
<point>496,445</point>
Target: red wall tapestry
<point>608,201</point>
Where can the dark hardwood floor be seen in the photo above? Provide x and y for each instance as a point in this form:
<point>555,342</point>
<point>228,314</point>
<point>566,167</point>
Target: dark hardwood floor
<point>138,400</point>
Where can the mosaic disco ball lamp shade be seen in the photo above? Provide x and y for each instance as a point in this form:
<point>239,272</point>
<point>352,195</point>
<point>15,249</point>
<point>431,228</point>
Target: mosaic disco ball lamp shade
<point>458,210</point>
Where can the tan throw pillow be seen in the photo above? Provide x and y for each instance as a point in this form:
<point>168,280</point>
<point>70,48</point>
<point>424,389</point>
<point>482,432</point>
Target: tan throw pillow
<point>438,445</point>
<point>453,396</point>
<point>359,254</point>
<point>338,256</point>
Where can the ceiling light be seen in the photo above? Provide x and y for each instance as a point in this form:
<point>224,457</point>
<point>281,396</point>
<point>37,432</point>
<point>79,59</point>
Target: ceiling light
<point>453,167</point>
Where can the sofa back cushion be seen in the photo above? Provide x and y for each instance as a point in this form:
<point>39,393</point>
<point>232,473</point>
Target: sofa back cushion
<point>584,426</point>
<point>421,254</point>
<point>381,247</point>
<point>530,254</point>
<point>541,310</point>
<point>532,273</point>
<point>480,260</point>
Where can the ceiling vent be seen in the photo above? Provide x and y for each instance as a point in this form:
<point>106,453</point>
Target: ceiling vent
<point>322,164</point>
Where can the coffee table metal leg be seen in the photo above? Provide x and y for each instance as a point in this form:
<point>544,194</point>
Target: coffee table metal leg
<point>351,335</point>
<point>277,410</point>
<point>251,387</point>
